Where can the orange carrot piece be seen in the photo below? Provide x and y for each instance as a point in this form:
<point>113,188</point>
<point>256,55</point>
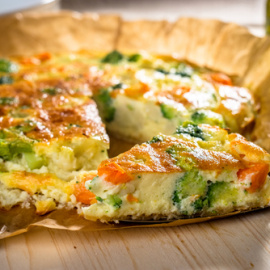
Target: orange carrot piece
<point>114,173</point>
<point>82,194</point>
<point>221,78</point>
<point>131,198</point>
<point>44,56</point>
<point>257,174</point>
<point>135,93</point>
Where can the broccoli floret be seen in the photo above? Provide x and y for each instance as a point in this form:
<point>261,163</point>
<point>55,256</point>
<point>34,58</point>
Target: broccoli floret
<point>6,79</point>
<point>208,117</point>
<point>50,91</point>
<point>134,57</point>
<point>34,161</point>
<point>192,183</point>
<point>156,139</point>
<point>7,66</point>
<point>109,114</point>
<point>5,153</point>
<point>198,117</point>
<point>18,147</point>
<point>184,162</point>
<point>219,191</point>
<point>191,129</point>
<point>117,86</point>
<point>161,70</point>
<point>182,69</point>
<point>26,126</point>
<point>113,57</point>
<point>114,201</point>
<point>167,111</point>
<point>198,205</point>
<point>7,100</point>
<point>99,199</point>
<point>104,98</point>
<point>9,150</point>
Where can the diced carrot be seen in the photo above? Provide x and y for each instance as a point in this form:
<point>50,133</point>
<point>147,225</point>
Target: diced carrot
<point>44,56</point>
<point>137,92</point>
<point>257,174</point>
<point>114,173</point>
<point>82,194</point>
<point>30,61</point>
<point>131,198</point>
<point>221,78</point>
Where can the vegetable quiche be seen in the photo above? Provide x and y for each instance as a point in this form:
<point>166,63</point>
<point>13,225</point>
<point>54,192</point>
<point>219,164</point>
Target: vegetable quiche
<point>198,171</point>
<point>52,137</point>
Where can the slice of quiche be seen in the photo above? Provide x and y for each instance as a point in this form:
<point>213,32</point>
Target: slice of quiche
<point>50,126</point>
<point>199,171</point>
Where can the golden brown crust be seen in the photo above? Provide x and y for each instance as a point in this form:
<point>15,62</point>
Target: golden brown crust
<point>51,116</point>
<point>154,158</point>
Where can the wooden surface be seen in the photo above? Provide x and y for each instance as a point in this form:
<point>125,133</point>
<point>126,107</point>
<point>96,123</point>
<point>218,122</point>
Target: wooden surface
<point>241,242</point>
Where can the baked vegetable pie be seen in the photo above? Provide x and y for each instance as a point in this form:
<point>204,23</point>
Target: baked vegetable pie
<point>54,108</point>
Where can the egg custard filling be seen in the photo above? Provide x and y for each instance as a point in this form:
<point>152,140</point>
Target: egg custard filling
<point>198,171</point>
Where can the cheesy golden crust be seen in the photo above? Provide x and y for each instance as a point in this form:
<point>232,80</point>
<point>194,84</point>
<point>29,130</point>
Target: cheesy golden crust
<point>228,151</point>
<point>54,111</point>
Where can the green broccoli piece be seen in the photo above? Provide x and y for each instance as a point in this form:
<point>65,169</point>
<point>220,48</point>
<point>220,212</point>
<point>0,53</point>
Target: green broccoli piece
<point>134,57</point>
<point>117,86</point>
<point>183,70</point>
<point>221,191</point>
<point>198,117</point>
<point>9,150</point>
<point>156,139</point>
<point>5,153</point>
<point>184,162</point>
<point>107,110</point>
<point>7,66</point>
<point>167,111</point>
<point>161,70</point>
<point>26,126</point>
<point>2,134</point>
<point>113,57</point>
<point>7,100</point>
<point>50,91</point>
<point>191,129</point>
<point>208,117</point>
<point>99,199</point>
<point>114,201</point>
<point>33,161</point>
<point>192,183</point>
<point>109,113</point>
<point>17,147</point>
<point>6,80</point>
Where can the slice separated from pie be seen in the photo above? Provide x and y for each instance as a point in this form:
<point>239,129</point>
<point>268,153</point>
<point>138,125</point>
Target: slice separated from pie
<point>199,171</point>
<point>49,126</point>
